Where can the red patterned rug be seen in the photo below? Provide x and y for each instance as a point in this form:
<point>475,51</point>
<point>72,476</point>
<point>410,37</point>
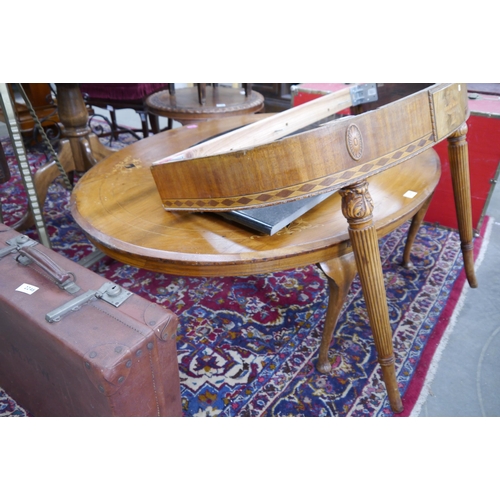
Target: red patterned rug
<point>247,345</point>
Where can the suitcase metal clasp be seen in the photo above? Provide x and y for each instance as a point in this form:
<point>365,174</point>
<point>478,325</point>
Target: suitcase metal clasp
<point>109,292</point>
<point>16,243</point>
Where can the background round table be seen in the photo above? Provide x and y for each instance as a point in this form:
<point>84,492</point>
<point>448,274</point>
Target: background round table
<point>184,105</point>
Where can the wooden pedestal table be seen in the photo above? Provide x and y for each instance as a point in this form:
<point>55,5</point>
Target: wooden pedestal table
<point>78,150</point>
<point>118,205</point>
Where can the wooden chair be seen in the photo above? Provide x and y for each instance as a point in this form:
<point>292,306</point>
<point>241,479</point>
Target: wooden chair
<point>40,98</point>
<point>248,169</point>
<point>115,96</point>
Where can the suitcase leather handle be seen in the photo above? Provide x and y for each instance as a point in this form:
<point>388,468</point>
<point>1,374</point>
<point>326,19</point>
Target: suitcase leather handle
<point>61,276</point>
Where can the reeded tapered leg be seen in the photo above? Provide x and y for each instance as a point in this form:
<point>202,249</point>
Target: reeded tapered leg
<point>357,208</point>
<point>458,154</point>
<point>340,273</point>
<point>416,222</point>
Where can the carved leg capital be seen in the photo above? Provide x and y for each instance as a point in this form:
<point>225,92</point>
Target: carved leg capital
<point>357,204</point>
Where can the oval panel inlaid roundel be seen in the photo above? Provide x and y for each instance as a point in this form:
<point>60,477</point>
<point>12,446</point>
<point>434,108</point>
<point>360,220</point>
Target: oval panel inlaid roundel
<point>354,142</point>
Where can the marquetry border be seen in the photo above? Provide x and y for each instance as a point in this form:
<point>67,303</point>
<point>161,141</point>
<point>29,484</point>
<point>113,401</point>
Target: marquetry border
<point>317,186</point>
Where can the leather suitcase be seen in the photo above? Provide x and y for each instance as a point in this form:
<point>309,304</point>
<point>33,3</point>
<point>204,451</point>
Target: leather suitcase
<point>74,344</point>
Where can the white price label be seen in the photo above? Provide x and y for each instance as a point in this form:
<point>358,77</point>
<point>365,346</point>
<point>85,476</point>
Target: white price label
<point>25,288</point>
<point>410,194</point>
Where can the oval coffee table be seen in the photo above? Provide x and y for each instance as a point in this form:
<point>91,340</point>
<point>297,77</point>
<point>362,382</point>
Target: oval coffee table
<point>118,206</point>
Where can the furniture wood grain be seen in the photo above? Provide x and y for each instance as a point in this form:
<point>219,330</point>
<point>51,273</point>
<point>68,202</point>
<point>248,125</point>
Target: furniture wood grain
<point>272,128</point>
<point>321,160</point>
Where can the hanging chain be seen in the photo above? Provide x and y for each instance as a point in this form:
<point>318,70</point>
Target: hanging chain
<point>67,182</point>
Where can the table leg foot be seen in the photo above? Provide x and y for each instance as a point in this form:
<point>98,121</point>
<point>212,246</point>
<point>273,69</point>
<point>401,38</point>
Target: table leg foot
<point>340,272</point>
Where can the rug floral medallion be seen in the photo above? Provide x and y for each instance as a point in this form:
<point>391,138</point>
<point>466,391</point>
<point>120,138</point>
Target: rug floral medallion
<point>247,346</point>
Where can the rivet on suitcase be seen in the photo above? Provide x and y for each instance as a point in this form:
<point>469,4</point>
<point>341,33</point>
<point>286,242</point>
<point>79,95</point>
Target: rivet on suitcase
<point>74,344</point>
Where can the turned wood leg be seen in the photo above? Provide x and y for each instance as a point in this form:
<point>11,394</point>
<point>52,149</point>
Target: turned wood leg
<point>340,273</point>
<point>202,93</point>
<point>357,208</point>
<point>416,222</point>
<point>144,123</point>
<point>74,117</point>
<point>155,123</point>
<point>459,166</point>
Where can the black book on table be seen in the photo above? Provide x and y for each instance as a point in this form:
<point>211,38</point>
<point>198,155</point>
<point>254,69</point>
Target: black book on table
<point>269,220</point>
